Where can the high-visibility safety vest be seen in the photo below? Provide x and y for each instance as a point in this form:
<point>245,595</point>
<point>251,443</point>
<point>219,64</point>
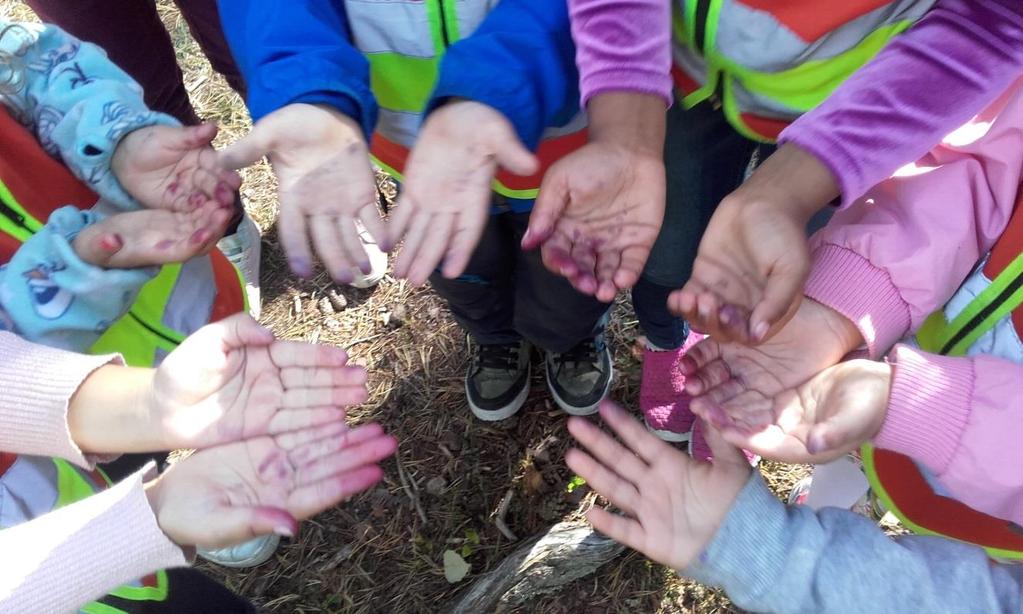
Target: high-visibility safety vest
<point>404,43</point>
<point>180,299</point>
<point>983,317</point>
<point>768,62</point>
<point>34,485</point>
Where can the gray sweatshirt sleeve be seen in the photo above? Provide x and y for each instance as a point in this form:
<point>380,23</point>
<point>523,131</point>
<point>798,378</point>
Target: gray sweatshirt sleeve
<point>769,557</point>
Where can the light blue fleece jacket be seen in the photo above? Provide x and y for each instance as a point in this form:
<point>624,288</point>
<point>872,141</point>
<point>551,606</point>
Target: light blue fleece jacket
<point>79,105</point>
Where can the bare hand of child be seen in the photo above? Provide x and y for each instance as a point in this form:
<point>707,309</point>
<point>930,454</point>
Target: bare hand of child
<point>325,185</point>
<point>227,494</point>
<point>829,416</point>
<point>445,199</point>
<point>600,208</point>
<point>232,380</point>
<point>749,271</point>
<point>673,504</point>
<point>737,383</point>
<point>152,237</point>
<point>173,168</point>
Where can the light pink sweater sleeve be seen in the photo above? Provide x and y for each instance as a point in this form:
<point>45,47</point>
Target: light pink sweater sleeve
<point>962,418</point>
<point>899,254</point>
<point>75,554</point>
<point>38,382</point>
<point>622,45</point>
<point>928,81</point>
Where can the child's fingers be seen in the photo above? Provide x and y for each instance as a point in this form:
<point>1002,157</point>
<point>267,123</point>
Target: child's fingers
<point>96,245</point>
<point>709,376</point>
<point>297,419</point>
<point>632,261</point>
<point>547,209</point>
<point>346,458</point>
<point>469,226</point>
<point>300,354</point>
<point>329,247</point>
<point>637,438</point>
<point>229,525</point>
<point>619,528</point>
<point>399,219</point>
<point>609,484</point>
<point>311,499</point>
<point>722,451</point>
<point>605,449</point>
<point>343,396</point>
<point>352,245</point>
<point>700,355</point>
<point>781,296</point>
<point>292,440</point>
<point>319,377</point>
<point>291,223</point>
<point>325,446</point>
<point>193,137</point>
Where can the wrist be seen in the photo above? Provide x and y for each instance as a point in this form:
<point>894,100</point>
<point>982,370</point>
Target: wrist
<point>790,181</point>
<point>631,120</point>
<point>881,378</point>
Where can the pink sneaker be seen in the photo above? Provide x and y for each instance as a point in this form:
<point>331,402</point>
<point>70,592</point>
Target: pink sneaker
<point>699,450</point>
<point>662,395</point>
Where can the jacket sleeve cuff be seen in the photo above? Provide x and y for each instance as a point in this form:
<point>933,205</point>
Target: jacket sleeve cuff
<point>641,82</point>
<point>748,551</point>
<point>848,283</point>
<point>928,406</point>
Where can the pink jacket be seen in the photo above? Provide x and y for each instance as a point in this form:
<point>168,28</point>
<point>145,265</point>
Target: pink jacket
<point>929,80</point>
<point>70,556</point>
<point>911,246</point>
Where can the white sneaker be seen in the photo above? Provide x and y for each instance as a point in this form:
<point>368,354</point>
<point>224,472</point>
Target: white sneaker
<point>248,554</point>
<point>377,261</point>
<point>243,249</point>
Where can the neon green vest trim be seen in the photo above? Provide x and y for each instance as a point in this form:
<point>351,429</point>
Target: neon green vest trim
<point>934,336</point>
<point>8,226</point>
<point>401,82</point>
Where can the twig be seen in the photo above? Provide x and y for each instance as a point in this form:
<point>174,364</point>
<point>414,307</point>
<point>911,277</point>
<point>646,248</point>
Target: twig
<point>352,344</point>
<point>413,495</point>
<point>502,511</point>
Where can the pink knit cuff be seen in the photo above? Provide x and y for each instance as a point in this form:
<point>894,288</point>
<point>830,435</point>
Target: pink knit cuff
<point>928,406</point>
<point>848,283</point>
<point>38,382</point>
<point>626,80</point>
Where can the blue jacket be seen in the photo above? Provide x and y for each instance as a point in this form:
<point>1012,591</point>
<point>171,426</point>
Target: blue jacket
<point>520,61</point>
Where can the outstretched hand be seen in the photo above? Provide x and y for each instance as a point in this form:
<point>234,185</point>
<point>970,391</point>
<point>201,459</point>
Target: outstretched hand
<point>673,505</point>
<point>227,494</point>
<point>600,208</point>
<point>446,194</point>
<point>232,380</point>
<point>152,237</point>
<point>753,259</point>
<point>325,182</point>
<point>173,168</point>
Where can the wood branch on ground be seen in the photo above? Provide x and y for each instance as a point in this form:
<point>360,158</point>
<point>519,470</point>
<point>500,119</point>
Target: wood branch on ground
<point>566,552</point>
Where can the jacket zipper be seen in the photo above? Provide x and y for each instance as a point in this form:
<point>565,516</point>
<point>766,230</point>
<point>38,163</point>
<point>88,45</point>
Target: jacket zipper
<point>700,27</point>
<point>443,24</point>
<point>984,313</point>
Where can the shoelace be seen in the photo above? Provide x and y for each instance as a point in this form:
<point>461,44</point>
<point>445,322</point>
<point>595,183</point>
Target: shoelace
<point>503,357</point>
<point>585,353</point>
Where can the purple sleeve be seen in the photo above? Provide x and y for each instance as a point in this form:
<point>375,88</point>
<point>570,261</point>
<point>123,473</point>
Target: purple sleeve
<point>622,45</point>
<point>926,83</point>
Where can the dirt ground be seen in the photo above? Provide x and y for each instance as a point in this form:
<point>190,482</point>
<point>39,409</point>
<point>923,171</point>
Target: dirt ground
<point>382,551</point>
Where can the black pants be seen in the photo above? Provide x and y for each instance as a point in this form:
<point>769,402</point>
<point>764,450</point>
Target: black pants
<point>506,294</point>
<point>189,591</point>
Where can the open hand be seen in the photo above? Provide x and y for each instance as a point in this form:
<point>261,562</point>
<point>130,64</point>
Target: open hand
<point>173,168</point>
<point>735,383</point>
<point>752,261</point>
<point>600,208</point>
<point>446,194</point>
<point>325,185</point>
<point>232,380</point>
<point>673,504</point>
<point>152,237</point>
<point>227,494</point>
<point>827,417</point>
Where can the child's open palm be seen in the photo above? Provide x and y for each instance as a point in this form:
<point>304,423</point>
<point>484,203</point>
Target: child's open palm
<point>673,504</point>
<point>173,168</point>
<point>232,380</point>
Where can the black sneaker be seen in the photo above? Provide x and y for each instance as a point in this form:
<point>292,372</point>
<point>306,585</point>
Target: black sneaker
<point>580,378</point>
<point>497,382</point>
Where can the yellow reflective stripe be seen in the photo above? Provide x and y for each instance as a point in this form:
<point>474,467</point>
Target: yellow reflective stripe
<point>100,608</point>
<point>387,169</point>
<point>500,188</point>
<point>436,26</point>
<point>710,30</point>
<point>32,225</point>
<point>805,86</point>
<point>734,115</point>
<point>689,24</point>
<point>451,20</point>
<point>705,92</point>
<point>402,83</point>
<point>145,593</point>
<point>870,469</point>
<point>71,485</point>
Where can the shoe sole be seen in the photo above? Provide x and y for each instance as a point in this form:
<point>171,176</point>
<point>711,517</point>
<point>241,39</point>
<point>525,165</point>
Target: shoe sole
<point>572,409</point>
<point>494,415</point>
<point>257,559</point>
<point>669,436</point>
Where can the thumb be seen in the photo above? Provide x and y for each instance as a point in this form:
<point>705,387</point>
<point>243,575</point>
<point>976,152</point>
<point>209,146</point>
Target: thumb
<point>547,209</point>
<point>96,246</point>
<point>230,333</point>
<point>836,435</point>
<point>720,450</point>
<point>511,154</point>
<point>781,296</point>
<point>234,525</point>
<point>193,137</point>
<point>244,152</point>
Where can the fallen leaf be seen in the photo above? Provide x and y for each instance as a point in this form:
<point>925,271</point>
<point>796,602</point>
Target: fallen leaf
<point>455,567</point>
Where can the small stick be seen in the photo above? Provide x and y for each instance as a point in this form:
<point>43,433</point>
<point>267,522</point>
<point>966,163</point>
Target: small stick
<point>412,495</point>
<point>502,511</point>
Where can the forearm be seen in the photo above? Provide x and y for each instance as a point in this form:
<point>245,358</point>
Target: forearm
<point>924,84</point>
<point>960,418</point>
<point>112,412</point>
<point>769,557</point>
<point>38,384</point>
<point>67,557</point>
<point>632,120</point>
<point>622,46</point>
